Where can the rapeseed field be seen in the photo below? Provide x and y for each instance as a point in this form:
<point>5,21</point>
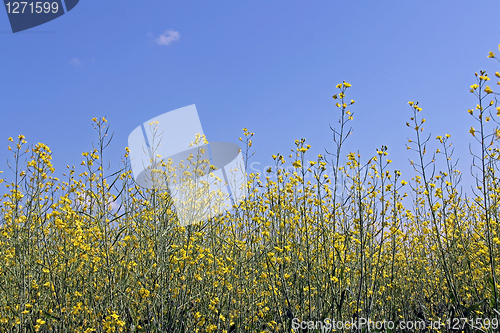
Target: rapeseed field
<point>337,236</point>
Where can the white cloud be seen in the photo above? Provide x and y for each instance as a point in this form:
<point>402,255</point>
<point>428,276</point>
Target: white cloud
<point>75,62</point>
<point>168,37</point>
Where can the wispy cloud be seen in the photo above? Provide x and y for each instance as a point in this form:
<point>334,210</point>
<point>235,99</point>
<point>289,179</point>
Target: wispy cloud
<point>168,37</point>
<point>75,62</point>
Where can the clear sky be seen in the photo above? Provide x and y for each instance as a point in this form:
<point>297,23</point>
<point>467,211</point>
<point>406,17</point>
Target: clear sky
<point>270,66</point>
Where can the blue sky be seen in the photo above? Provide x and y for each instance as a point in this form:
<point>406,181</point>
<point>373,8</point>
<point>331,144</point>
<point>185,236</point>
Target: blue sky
<point>270,66</point>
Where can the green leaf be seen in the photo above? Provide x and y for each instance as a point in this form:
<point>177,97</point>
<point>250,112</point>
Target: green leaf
<point>472,307</point>
<point>48,315</point>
